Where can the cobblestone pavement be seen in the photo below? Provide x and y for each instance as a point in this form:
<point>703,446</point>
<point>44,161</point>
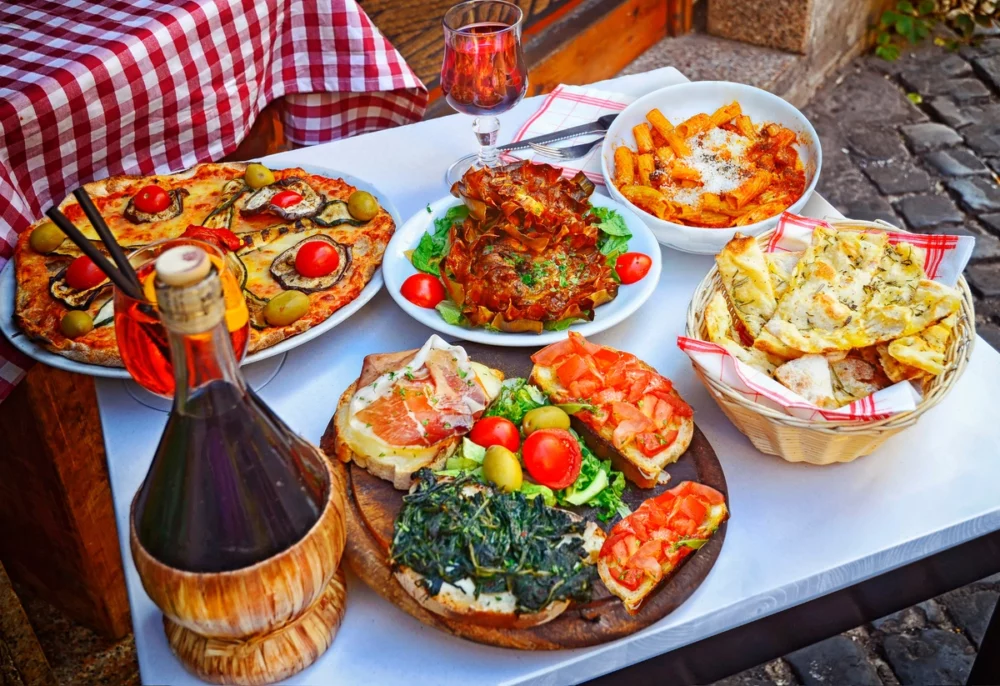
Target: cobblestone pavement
<point>930,168</point>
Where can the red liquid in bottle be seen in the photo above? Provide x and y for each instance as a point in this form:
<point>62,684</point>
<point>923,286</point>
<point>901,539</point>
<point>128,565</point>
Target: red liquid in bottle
<point>483,71</point>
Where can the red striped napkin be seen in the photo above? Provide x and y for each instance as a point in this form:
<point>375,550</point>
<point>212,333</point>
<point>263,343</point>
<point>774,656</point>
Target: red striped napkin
<point>565,107</point>
<point>946,257</point>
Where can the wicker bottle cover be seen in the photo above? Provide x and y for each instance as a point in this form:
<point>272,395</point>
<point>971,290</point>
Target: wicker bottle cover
<point>239,545</point>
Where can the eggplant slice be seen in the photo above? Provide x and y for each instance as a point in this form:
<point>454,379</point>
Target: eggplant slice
<point>255,308</point>
<point>174,209</point>
<point>284,272</point>
<point>105,313</point>
<point>71,297</point>
<point>260,201</point>
<point>335,213</point>
<point>222,216</point>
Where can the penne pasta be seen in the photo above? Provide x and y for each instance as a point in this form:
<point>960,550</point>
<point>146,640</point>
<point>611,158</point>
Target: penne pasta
<point>624,167</point>
<point>643,138</point>
<point>644,167</point>
<point>712,170</point>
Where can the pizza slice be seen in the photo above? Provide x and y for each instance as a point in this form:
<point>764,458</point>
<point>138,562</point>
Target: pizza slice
<point>645,548</point>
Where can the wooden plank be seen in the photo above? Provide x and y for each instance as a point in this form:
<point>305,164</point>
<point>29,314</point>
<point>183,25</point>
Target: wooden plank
<point>22,662</point>
<point>596,44</point>
<point>59,535</point>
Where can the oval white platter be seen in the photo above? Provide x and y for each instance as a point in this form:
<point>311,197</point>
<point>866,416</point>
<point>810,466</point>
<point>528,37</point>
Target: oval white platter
<point>396,268</point>
<point>21,341</point>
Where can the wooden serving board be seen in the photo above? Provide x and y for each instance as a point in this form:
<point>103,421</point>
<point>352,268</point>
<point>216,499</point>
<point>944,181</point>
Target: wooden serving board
<point>373,505</point>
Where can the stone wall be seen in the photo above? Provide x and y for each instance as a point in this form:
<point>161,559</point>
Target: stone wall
<point>827,32</point>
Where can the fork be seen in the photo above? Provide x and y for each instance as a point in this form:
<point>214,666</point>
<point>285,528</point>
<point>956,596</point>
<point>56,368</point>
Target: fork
<point>568,153</point>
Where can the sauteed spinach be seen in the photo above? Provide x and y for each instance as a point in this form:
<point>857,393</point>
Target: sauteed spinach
<point>502,542</point>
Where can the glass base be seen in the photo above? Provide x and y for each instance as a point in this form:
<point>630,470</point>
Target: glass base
<point>257,375</point>
<point>457,170</point>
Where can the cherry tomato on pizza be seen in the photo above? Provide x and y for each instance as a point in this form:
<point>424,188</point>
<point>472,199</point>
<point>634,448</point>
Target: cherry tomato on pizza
<point>552,457</point>
<point>151,199</point>
<point>83,274</point>
<point>490,431</point>
<point>286,199</point>
<point>423,290</point>
<point>316,258</point>
<point>632,266</point>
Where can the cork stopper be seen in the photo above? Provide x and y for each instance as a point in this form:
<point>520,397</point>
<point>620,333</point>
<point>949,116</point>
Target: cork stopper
<point>188,290</point>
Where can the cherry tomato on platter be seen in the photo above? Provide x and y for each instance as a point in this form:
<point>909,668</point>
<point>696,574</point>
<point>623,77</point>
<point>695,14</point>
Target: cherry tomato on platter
<point>286,199</point>
<point>151,199</point>
<point>316,258</point>
<point>632,266</point>
<point>490,431</point>
<point>423,290</point>
<point>552,457</point>
<point>83,274</point>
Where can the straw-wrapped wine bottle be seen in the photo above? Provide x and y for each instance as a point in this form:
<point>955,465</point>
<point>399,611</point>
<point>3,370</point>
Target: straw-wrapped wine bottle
<point>238,529</point>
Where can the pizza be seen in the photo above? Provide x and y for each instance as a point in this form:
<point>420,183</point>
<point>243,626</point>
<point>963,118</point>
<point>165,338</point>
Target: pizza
<point>280,231</point>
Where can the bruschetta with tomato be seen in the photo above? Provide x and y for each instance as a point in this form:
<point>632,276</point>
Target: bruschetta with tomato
<point>631,414</point>
<point>647,546</point>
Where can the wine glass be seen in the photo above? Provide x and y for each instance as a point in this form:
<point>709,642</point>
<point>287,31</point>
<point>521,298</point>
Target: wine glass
<point>483,72</point>
<point>142,340</point>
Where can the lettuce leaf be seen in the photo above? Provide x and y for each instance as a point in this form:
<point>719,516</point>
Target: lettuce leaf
<point>614,233</point>
<point>433,245</point>
<point>598,486</point>
<point>517,398</point>
<point>451,313</point>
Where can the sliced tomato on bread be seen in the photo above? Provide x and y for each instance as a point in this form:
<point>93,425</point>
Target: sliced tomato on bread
<point>647,546</point>
<point>634,417</point>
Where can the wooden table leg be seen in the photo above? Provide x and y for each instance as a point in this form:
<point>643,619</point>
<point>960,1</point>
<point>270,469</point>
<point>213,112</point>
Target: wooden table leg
<point>59,536</point>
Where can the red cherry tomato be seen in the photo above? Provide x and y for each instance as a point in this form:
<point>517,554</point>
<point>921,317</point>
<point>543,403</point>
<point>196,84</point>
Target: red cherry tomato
<point>632,266</point>
<point>552,457</point>
<point>316,258</point>
<point>496,431</point>
<point>423,290</point>
<point>151,199</point>
<point>286,199</point>
<point>83,274</point>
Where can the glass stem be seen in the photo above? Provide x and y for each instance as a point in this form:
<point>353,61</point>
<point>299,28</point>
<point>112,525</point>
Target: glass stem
<point>487,129</point>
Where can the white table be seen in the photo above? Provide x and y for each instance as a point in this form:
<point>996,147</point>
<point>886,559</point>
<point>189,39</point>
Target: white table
<point>797,531</point>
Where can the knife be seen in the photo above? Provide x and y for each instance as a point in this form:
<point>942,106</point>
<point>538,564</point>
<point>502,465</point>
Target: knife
<point>599,126</point>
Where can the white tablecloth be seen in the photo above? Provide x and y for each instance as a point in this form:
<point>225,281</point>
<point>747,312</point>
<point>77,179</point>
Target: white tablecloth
<point>797,531</point>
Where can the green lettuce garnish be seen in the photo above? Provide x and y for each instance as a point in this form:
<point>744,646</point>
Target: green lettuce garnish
<point>434,244</point>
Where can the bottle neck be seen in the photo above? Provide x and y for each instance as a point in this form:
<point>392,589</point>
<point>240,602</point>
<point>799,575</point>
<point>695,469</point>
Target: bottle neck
<point>201,359</point>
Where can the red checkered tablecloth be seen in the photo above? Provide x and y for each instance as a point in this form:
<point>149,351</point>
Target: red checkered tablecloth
<point>90,89</point>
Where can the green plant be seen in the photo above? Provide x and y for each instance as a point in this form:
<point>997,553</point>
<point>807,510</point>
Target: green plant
<point>913,21</point>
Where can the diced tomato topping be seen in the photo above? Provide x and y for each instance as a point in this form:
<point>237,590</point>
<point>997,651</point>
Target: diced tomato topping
<point>650,443</point>
<point>571,369</point>
<point>642,545</point>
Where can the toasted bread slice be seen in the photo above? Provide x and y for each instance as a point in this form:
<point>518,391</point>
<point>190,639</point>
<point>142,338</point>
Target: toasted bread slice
<point>395,463</point>
<point>638,468</point>
<point>497,610</point>
<point>632,600</point>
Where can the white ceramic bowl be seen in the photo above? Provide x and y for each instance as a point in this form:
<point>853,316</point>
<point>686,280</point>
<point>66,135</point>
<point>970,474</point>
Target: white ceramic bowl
<point>685,100</point>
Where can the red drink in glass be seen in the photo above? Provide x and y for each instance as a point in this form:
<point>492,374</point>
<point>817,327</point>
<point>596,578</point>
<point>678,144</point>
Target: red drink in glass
<point>142,340</point>
<point>483,71</point>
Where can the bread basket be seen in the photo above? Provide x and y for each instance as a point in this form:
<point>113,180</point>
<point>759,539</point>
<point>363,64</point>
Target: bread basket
<point>826,442</point>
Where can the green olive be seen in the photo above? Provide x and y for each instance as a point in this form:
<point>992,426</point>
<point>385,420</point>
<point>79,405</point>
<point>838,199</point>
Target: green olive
<point>46,238</point>
<point>501,467</point>
<point>258,176</point>
<point>76,323</point>
<point>362,205</point>
<point>285,308</point>
<point>547,417</point>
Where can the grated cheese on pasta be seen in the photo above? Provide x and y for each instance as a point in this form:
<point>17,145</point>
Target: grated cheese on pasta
<point>719,173</point>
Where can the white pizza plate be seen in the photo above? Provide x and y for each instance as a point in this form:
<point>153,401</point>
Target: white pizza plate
<point>396,268</point>
<point>20,341</point>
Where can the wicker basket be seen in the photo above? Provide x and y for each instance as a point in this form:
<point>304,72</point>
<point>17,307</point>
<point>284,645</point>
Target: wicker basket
<point>826,442</point>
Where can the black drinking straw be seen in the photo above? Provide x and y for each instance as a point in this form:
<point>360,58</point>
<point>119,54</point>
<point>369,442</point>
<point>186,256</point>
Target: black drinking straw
<point>97,221</point>
<point>88,249</point>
